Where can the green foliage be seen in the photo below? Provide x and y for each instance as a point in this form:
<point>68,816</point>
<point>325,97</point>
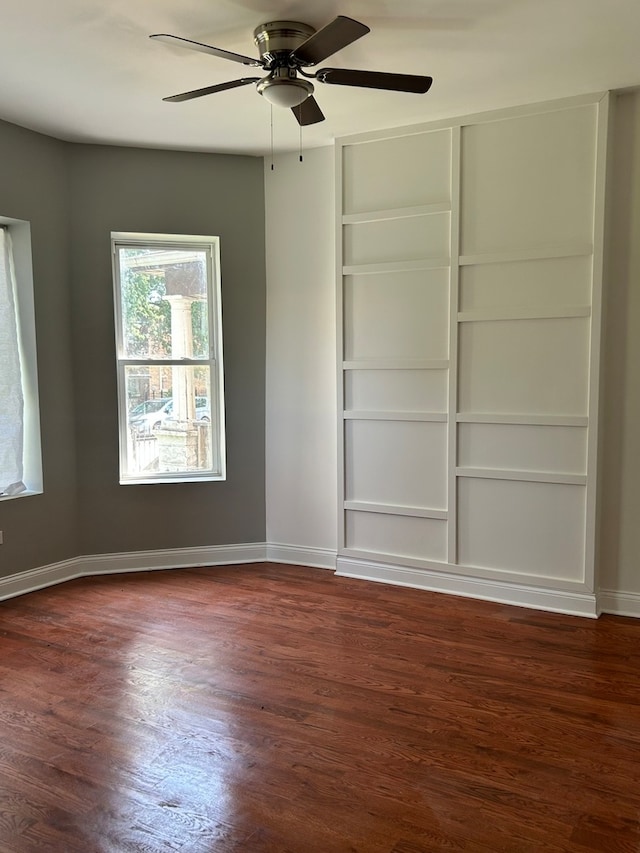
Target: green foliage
<point>146,315</point>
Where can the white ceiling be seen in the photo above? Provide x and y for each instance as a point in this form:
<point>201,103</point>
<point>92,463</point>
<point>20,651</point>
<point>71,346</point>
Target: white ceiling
<point>86,71</point>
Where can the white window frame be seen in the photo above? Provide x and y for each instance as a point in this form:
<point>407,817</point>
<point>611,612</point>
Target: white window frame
<point>211,246</point>
<point>20,232</point>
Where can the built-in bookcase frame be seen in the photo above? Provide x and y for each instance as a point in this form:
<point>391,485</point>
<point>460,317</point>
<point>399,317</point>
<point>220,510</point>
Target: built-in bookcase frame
<point>550,505</point>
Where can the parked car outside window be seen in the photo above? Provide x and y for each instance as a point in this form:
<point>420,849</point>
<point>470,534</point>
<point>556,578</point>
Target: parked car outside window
<point>151,414</point>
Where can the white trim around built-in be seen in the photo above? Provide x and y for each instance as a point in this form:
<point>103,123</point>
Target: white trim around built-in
<point>571,602</point>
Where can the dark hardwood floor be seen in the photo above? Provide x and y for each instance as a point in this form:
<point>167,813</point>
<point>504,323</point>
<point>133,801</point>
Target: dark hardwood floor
<point>275,708</point>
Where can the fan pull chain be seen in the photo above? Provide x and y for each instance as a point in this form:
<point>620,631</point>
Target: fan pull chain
<point>300,148</point>
<point>272,137</point>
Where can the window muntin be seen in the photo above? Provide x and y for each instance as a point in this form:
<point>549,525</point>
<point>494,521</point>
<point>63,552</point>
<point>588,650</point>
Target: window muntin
<point>169,353</point>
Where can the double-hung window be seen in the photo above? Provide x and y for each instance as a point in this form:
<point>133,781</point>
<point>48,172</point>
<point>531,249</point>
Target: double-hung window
<point>169,357</point>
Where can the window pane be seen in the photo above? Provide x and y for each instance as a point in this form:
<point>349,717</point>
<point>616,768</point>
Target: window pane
<point>164,302</point>
<point>169,420</point>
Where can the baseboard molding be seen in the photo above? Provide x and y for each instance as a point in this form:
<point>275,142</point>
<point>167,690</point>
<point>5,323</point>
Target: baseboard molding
<point>619,603</point>
<point>33,579</point>
<point>134,561</point>
<point>317,558</point>
<point>539,598</point>
<point>520,595</point>
<point>174,558</point>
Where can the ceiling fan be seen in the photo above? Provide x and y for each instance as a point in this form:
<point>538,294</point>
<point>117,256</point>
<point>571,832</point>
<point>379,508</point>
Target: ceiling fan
<point>288,47</point>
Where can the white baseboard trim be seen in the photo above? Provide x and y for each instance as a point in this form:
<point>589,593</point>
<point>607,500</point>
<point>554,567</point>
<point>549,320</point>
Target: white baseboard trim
<point>539,598</point>
<point>174,558</point>
<point>521,595</point>
<point>33,579</point>
<point>619,603</point>
<point>317,558</point>
<point>133,561</point>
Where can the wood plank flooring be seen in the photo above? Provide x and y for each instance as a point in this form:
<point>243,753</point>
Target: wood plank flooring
<point>278,709</point>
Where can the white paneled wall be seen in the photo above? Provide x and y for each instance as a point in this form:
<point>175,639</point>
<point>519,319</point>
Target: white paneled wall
<point>470,267</point>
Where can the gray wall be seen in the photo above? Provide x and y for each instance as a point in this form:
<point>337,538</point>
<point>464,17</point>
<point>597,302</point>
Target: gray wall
<point>41,529</point>
<point>620,450</point>
<point>74,196</point>
<point>127,189</point>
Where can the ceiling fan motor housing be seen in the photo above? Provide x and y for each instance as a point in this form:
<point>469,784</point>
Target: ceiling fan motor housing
<point>277,39</point>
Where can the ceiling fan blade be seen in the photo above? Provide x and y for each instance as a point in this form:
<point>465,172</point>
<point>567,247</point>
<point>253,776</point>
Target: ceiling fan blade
<point>329,40</point>
<point>206,48</point>
<point>375,80</point>
<point>210,90</point>
<point>308,112</point>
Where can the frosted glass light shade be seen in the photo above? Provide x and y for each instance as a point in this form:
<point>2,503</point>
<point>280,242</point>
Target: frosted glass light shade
<point>285,92</point>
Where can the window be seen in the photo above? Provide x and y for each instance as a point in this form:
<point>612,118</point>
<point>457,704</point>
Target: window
<point>20,453</point>
<point>169,358</point>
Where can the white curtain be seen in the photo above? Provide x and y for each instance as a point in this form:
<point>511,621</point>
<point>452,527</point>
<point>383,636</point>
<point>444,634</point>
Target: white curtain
<point>11,397</point>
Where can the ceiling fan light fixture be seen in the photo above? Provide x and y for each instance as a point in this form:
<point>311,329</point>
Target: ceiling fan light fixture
<point>285,91</point>
<point>286,47</point>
